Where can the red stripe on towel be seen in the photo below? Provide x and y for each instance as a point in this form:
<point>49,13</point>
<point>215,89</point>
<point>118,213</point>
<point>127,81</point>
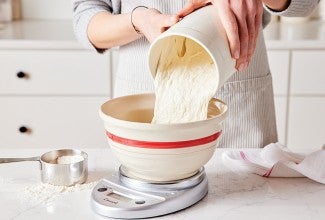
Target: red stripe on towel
<point>243,156</point>
<point>268,173</point>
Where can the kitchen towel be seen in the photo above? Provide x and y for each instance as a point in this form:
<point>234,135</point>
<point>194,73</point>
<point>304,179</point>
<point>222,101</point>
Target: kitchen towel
<point>276,160</point>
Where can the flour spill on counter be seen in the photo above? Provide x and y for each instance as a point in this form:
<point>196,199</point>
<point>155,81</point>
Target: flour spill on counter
<point>41,192</point>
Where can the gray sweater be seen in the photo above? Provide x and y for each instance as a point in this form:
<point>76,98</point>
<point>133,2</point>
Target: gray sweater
<point>248,94</point>
<point>84,10</point>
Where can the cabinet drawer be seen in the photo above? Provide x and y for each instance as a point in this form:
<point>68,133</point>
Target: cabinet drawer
<point>306,130</point>
<point>53,122</point>
<point>308,74</point>
<point>54,72</point>
<point>279,62</point>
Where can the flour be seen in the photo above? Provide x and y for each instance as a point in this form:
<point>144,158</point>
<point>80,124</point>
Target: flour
<point>185,82</point>
<point>42,192</point>
<point>69,159</point>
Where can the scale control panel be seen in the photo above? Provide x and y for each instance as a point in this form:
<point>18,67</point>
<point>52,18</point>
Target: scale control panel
<point>114,195</point>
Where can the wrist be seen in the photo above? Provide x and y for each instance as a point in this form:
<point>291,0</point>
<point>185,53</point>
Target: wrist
<point>137,17</point>
<point>279,5</point>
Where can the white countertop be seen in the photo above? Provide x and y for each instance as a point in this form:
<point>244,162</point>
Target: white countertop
<point>38,34</point>
<point>299,35</point>
<point>58,34</point>
<point>231,196</point>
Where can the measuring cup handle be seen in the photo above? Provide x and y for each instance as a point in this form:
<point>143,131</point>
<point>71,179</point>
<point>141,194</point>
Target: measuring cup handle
<point>11,160</point>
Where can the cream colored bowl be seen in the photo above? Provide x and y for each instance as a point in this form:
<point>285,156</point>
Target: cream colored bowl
<point>159,152</point>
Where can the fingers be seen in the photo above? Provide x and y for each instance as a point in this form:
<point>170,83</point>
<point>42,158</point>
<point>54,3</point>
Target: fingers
<point>254,20</point>
<point>248,14</point>
<point>192,5</point>
<point>164,20</point>
<point>252,31</point>
<point>252,34</point>
<point>240,12</point>
<point>229,22</point>
<point>158,24</point>
<point>188,9</point>
<point>258,20</point>
<point>242,62</point>
<point>169,20</point>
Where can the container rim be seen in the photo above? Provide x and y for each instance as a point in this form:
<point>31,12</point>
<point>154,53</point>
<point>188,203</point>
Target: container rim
<point>78,152</point>
<point>176,33</point>
<point>149,126</point>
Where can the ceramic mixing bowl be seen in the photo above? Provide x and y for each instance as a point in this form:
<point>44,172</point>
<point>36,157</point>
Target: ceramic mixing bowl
<point>159,152</point>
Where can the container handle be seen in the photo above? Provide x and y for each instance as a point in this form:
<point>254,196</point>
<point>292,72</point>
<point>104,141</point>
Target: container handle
<point>12,160</point>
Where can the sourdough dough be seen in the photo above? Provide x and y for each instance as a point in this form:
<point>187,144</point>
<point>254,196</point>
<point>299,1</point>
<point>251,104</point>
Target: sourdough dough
<point>185,82</point>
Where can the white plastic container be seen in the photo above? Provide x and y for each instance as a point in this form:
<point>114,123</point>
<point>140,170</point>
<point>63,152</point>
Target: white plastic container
<point>205,28</point>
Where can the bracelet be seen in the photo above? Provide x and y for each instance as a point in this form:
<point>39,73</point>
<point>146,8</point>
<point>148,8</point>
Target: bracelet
<point>131,18</point>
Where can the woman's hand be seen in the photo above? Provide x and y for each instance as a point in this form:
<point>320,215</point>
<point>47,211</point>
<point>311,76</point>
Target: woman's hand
<point>241,20</point>
<point>151,23</point>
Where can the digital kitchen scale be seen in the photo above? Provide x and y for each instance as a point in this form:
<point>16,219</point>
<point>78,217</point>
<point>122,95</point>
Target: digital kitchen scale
<point>122,197</point>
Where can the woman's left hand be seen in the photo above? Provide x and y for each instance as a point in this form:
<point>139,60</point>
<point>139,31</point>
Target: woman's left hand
<point>241,20</point>
<point>151,22</point>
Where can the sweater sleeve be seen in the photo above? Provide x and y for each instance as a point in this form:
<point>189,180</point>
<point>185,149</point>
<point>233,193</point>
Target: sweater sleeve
<point>296,8</point>
<point>84,10</point>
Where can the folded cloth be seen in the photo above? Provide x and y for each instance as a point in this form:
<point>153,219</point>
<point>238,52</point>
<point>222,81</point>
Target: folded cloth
<point>276,160</point>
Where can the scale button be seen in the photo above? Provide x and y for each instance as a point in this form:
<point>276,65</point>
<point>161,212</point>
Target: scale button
<point>140,202</point>
<point>102,189</point>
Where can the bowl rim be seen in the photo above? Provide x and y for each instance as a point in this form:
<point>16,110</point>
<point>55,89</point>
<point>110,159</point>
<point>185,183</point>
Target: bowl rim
<point>131,124</point>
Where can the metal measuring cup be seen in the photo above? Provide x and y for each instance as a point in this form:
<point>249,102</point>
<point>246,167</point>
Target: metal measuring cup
<point>58,174</point>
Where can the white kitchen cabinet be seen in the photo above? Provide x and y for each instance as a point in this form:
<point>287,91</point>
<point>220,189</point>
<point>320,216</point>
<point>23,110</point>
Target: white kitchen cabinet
<point>299,87</point>
<point>49,98</point>
<point>50,87</point>
<point>279,61</point>
<point>281,115</point>
<point>54,72</point>
<point>308,72</point>
<point>306,124</point>
<point>55,104</point>
<point>51,122</point>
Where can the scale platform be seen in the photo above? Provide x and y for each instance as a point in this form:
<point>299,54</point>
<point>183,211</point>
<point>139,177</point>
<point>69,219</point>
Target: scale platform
<point>122,197</point>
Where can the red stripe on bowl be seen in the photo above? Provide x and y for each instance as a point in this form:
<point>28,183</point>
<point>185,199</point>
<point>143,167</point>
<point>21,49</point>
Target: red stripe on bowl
<point>163,145</point>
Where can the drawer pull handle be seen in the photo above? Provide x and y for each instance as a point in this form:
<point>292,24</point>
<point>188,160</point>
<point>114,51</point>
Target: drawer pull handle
<point>21,74</point>
<point>23,129</point>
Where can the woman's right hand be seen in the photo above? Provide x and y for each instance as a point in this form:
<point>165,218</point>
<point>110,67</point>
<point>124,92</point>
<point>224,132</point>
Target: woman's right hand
<point>241,19</point>
<point>151,22</point>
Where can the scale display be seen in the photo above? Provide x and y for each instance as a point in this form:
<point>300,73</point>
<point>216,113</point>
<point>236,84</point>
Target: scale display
<point>119,197</point>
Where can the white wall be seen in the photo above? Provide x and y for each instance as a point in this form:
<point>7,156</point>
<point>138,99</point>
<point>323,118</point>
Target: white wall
<point>47,9</point>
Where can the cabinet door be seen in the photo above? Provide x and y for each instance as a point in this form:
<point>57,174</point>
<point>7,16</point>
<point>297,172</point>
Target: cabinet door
<point>279,62</point>
<point>281,113</point>
<point>308,72</point>
<point>306,129</point>
<point>54,72</point>
<point>51,122</point>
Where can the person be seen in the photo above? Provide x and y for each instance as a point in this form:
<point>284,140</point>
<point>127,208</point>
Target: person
<point>103,24</point>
